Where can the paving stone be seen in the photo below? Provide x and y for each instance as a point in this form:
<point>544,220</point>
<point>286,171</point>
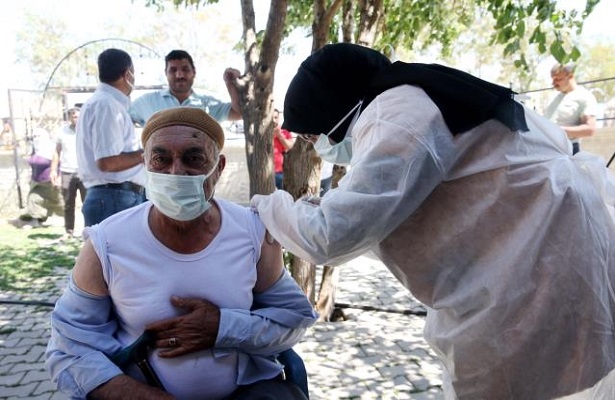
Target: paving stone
<point>11,379</point>
<point>21,391</point>
<point>14,350</point>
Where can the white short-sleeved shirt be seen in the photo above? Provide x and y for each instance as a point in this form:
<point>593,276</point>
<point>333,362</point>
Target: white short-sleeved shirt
<point>67,139</point>
<point>105,129</point>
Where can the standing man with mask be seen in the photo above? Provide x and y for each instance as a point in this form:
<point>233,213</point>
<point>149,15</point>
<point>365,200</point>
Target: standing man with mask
<point>574,108</point>
<point>481,213</point>
<point>108,153</point>
<point>180,72</point>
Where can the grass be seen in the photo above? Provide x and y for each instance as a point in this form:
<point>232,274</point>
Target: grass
<point>28,255</point>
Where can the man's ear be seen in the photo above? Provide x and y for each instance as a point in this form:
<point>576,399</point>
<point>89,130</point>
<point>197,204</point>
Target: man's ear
<point>221,163</point>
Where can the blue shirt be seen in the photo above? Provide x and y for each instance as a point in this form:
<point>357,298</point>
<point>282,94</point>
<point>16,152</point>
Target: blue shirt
<point>146,105</point>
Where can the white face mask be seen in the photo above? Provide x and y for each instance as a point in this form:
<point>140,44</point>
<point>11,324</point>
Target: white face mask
<point>131,84</point>
<point>180,197</point>
<point>339,153</point>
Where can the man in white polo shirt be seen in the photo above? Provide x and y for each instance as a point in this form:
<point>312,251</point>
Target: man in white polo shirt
<point>180,72</point>
<point>109,156</point>
<point>574,108</point>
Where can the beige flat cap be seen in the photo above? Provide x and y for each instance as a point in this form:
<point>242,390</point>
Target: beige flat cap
<point>184,116</point>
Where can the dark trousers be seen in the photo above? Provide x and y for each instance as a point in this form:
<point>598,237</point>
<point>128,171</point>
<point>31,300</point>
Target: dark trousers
<point>70,185</point>
<point>279,180</point>
<point>575,148</point>
<point>273,389</point>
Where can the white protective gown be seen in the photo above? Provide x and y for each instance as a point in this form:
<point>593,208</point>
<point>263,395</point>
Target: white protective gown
<point>504,235</point>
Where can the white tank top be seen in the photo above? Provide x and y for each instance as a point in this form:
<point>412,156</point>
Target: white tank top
<point>142,275</point>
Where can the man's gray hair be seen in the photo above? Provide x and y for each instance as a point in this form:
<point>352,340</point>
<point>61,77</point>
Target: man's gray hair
<point>568,68</point>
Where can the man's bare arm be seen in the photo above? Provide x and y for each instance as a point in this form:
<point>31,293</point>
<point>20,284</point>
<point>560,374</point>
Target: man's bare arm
<point>587,128</point>
<point>88,276</point>
<point>230,77</point>
<point>120,162</point>
<point>270,266</point>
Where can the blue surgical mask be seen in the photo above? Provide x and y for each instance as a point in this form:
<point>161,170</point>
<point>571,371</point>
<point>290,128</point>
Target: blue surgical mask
<point>339,153</point>
<point>180,197</point>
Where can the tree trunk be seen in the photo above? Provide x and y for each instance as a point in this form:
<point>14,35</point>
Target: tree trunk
<point>370,12</point>
<point>347,21</point>
<point>330,275</point>
<point>301,163</point>
<point>256,91</point>
<point>302,178</point>
<point>304,273</point>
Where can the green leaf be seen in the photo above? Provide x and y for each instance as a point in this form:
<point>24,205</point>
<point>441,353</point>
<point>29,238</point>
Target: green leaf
<point>557,51</point>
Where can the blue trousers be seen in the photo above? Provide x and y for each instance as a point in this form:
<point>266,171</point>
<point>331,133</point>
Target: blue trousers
<point>102,202</point>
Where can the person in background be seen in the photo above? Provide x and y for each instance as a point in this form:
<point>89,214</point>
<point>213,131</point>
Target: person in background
<point>109,157</point>
<point>44,197</point>
<point>6,135</point>
<point>200,275</point>
<point>180,72</point>
<point>475,204</point>
<point>574,108</point>
<point>282,142</point>
<point>65,161</point>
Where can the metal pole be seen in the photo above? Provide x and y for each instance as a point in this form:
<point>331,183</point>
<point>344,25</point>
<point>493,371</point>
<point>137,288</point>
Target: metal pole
<point>15,153</point>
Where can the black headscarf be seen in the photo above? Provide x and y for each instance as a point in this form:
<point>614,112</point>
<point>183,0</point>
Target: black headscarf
<point>335,78</point>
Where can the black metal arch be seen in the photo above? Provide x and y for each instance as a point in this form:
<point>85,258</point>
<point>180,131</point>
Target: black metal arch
<point>86,44</point>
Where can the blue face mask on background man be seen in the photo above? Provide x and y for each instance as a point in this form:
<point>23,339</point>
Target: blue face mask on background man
<point>339,153</point>
<point>181,197</point>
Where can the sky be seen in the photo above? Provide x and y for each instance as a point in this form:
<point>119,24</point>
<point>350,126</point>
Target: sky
<point>87,18</point>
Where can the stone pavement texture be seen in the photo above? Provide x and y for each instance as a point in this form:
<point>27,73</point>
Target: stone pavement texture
<point>372,355</point>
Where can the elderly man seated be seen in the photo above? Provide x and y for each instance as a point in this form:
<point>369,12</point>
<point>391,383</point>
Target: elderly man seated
<point>200,276</point>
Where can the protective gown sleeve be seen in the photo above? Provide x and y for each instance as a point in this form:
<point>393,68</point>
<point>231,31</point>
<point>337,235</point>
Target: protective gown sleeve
<point>277,321</point>
<point>81,336</point>
<point>393,170</point>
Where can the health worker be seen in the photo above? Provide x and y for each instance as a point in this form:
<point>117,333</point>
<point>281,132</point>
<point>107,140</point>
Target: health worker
<point>476,204</point>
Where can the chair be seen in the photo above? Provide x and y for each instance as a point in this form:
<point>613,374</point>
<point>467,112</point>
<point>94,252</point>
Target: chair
<point>294,370</point>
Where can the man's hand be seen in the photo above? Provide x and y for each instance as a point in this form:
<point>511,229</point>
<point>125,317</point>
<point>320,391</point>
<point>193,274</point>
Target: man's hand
<point>230,75</point>
<point>55,178</point>
<point>197,330</point>
<point>277,132</point>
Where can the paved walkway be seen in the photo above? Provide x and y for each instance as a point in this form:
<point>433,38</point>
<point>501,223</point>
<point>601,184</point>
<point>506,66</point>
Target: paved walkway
<point>373,355</point>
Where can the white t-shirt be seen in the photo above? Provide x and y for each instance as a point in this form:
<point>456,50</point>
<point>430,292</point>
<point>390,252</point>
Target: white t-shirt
<point>567,109</point>
<point>142,274</point>
<point>67,139</point>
